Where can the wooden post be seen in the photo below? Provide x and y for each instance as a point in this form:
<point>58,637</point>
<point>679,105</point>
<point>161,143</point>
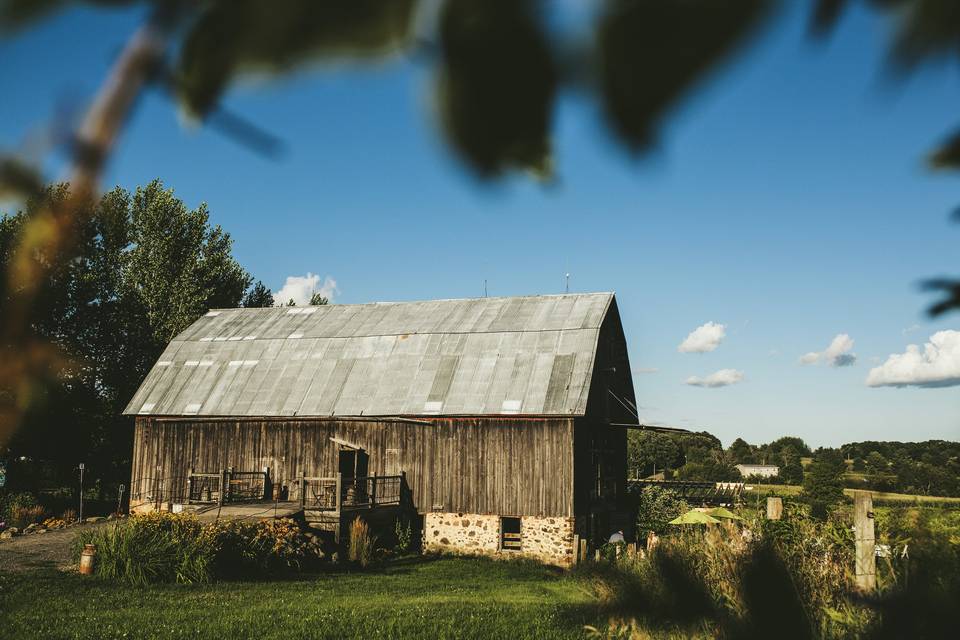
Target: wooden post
<point>189,484</point>
<point>373,491</point>
<point>866,562</point>
<point>336,497</point>
<point>576,548</point>
<point>223,482</point>
<point>632,550</point>
<point>303,490</point>
<point>774,508</point>
<point>583,550</point>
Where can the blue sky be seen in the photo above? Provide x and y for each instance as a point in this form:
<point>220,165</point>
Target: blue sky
<point>788,201</point>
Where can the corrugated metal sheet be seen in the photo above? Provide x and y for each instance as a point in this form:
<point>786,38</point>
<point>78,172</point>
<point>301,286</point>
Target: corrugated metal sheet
<point>481,356</point>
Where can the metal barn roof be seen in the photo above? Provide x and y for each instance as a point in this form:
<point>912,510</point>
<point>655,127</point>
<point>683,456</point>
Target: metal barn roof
<point>480,356</point>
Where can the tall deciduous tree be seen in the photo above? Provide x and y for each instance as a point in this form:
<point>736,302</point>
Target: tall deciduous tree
<point>144,267</point>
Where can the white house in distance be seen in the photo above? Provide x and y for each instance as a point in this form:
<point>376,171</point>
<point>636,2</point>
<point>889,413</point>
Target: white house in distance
<point>761,470</point>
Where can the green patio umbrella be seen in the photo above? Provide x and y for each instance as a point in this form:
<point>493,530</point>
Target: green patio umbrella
<point>695,517</point>
<point>722,512</point>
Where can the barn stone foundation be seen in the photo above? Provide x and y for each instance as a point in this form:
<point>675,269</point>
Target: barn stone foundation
<point>546,539</point>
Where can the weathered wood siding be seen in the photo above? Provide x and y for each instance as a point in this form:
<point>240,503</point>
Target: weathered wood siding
<point>505,466</point>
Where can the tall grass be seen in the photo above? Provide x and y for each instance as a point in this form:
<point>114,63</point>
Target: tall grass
<point>362,543</point>
<point>790,578</point>
<point>160,547</point>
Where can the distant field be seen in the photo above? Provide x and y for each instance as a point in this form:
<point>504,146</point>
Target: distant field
<point>791,490</point>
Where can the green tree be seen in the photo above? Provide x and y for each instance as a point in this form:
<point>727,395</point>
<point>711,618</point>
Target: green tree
<point>876,464</point>
<point>143,268</point>
<point>648,451</point>
<point>791,471</point>
<point>258,296</point>
<point>740,452</point>
<point>318,299</point>
<point>822,482</point>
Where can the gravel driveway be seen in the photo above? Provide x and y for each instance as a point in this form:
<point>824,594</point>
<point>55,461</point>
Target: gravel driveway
<point>40,550</point>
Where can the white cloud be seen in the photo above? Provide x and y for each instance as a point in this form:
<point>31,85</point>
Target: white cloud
<point>722,378</point>
<point>837,354</point>
<point>646,370</point>
<point>704,338</point>
<point>301,288</point>
<point>937,365</point>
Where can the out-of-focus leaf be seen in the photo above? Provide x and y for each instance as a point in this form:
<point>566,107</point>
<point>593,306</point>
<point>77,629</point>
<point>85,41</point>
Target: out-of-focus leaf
<point>927,29</point>
<point>15,14</point>
<point>232,36</point>
<point>947,155</point>
<point>496,84</point>
<point>825,15</point>
<point>17,179</point>
<point>653,51</point>
<point>952,290</point>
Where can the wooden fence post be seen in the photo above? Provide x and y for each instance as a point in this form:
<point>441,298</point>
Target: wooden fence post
<point>337,497</point>
<point>303,489</point>
<point>576,548</point>
<point>583,550</point>
<point>774,508</point>
<point>866,562</point>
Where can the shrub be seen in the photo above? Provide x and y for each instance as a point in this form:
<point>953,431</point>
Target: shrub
<point>25,516</point>
<point>656,507</point>
<point>361,543</point>
<point>15,506</point>
<point>163,547</point>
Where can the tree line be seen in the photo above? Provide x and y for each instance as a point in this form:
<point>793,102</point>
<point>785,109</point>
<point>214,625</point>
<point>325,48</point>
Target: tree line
<point>924,468</point>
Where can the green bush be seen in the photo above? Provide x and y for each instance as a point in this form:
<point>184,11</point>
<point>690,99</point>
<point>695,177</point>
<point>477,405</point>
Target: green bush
<point>19,508</point>
<point>161,547</point>
<point>656,507</point>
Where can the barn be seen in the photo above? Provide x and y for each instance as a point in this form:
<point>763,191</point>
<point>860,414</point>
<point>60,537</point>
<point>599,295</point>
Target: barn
<point>500,422</point>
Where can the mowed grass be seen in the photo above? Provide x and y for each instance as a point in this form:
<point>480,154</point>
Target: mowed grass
<point>792,490</point>
<point>419,598</point>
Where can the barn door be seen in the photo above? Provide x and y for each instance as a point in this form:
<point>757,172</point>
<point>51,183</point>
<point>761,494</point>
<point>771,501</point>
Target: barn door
<point>353,463</point>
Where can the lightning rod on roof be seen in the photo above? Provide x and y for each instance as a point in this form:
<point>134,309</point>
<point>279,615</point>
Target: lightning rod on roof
<point>567,290</point>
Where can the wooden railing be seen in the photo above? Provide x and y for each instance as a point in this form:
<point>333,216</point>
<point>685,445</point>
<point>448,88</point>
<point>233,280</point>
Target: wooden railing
<point>339,493</point>
<point>227,486</point>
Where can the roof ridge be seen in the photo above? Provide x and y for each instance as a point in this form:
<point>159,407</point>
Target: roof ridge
<point>393,302</point>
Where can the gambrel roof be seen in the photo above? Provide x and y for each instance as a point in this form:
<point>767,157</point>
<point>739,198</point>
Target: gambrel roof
<point>478,356</point>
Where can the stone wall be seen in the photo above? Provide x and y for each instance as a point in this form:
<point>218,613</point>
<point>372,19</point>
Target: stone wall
<point>546,539</point>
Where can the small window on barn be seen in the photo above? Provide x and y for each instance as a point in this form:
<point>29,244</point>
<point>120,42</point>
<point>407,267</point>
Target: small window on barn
<point>510,534</point>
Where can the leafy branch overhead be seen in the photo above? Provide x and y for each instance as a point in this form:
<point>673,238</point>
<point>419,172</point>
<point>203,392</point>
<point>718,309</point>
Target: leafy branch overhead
<point>500,65</point>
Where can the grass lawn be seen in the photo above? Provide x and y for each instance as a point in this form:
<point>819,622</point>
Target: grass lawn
<point>429,598</point>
